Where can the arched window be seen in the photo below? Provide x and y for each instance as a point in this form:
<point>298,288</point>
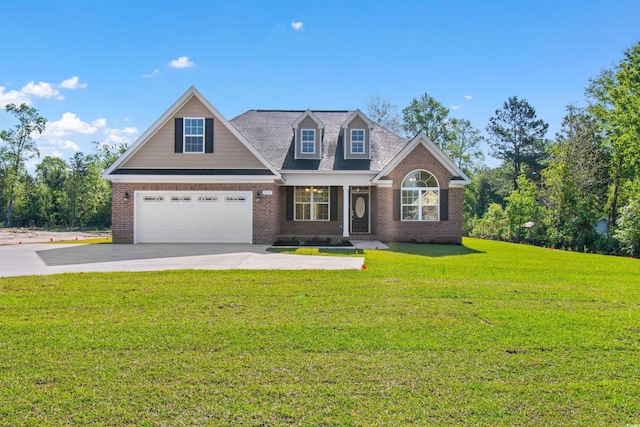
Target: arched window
<point>420,197</point>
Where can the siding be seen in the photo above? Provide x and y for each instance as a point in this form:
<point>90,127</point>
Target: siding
<point>357,123</point>
<point>228,151</point>
<point>308,123</point>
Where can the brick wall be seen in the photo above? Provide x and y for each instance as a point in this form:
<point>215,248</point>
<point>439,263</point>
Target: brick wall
<point>309,228</point>
<point>390,229</point>
<point>265,227</point>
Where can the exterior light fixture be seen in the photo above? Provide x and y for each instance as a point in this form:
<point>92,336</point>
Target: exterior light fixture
<point>126,196</point>
<point>258,196</point>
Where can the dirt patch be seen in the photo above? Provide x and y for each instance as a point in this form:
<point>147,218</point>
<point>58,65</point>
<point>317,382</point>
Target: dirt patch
<point>13,236</point>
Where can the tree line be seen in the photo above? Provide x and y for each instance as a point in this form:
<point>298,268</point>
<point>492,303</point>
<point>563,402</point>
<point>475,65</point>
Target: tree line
<point>548,192</point>
<point>59,194</point>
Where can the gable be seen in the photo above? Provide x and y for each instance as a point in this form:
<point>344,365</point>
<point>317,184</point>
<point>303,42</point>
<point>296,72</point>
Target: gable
<point>421,150</point>
<point>159,150</point>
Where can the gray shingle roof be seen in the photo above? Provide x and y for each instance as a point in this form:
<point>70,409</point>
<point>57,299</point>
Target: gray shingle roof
<point>271,134</point>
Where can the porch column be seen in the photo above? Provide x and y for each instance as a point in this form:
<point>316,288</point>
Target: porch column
<point>345,211</point>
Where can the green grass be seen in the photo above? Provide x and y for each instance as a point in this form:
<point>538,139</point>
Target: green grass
<point>488,333</point>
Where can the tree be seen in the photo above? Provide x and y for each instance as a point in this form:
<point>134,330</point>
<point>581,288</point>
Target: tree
<point>19,147</point>
<point>456,137</point>
<point>628,231</point>
<point>77,189</point>
<point>464,146</point>
<point>383,112</point>
<point>575,181</point>
<point>429,116</point>
<point>615,102</point>
<point>518,138</point>
<point>524,215</point>
<point>52,175</point>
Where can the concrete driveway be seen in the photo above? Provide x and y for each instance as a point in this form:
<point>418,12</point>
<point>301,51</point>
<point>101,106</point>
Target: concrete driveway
<point>46,258</point>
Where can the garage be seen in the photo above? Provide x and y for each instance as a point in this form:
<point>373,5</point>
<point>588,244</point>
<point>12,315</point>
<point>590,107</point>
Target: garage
<point>193,217</point>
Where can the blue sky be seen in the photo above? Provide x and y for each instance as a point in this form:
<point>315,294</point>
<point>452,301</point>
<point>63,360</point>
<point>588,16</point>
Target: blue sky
<point>105,70</point>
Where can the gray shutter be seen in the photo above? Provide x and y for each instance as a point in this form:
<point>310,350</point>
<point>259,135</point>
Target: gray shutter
<point>208,135</point>
<point>333,200</point>
<point>396,205</point>
<point>289,207</point>
<point>178,136</point>
<point>444,205</point>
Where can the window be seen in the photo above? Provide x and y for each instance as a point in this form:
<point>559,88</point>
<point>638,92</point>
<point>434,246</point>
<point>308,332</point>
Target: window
<point>308,143</point>
<point>420,197</point>
<point>311,203</point>
<point>235,199</point>
<point>207,198</point>
<point>357,141</point>
<point>180,198</point>
<point>153,199</point>
<point>194,135</point>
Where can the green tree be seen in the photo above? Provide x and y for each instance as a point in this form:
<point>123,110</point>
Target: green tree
<point>464,146</point>
<point>18,147</point>
<point>517,137</point>
<point>52,174</point>
<point>628,231</point>
<point>492,225</point>
<point>575,181</point>
<point>77,190</point>
<point>524,215</point>
<point>615,101</point>
<point>429,116</point>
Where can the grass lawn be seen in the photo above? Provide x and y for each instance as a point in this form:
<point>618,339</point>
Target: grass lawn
<point>488,333</point>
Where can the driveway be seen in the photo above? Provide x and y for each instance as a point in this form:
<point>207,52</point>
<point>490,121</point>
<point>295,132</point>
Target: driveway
<point>46,258</point>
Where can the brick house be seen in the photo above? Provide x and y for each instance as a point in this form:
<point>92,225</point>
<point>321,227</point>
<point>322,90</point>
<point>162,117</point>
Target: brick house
<point>196,177</point>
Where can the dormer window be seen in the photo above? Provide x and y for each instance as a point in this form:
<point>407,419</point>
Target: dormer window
<point>194,135</point>
<point>357,141</point>
<point>308,141</point>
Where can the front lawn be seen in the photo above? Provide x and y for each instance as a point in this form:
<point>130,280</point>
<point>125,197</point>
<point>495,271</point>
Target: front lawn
<point>488,333</point>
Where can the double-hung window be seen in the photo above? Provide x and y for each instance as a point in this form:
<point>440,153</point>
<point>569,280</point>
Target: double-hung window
<point>311,203</point>
<point>308,141</point>
<point>357,141</point>
<point>194,135</point>
<point>420,197</point>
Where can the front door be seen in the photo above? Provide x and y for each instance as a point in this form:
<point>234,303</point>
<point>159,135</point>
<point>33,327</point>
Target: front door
<point>359,213</point>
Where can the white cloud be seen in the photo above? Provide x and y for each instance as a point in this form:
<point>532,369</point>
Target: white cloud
<point>72,83</point>
<point>456,107</point>
<point>153,74</point>
<point>467,97</point>
<point>70,145</point>
<point>12,97</point>
<point>182,62</point>
<point>70,124</point>
<point>120,136</point>
<point>297,26</point>
<point>41,90</point>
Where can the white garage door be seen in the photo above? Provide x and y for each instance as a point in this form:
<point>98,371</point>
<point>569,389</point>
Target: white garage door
<point>193,217</point>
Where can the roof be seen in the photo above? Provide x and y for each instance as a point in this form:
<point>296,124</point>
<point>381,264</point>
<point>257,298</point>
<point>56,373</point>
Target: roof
<point>270,132</point>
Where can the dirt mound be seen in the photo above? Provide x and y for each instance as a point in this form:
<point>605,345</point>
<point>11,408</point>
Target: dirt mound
<point>13,236</point>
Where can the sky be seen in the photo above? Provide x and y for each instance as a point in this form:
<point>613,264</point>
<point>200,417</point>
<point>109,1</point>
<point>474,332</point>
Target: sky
<point>104,71</point>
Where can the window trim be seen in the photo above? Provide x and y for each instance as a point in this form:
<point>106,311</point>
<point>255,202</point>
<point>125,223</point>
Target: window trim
<point>421,191</point>
<point>185,135</point>
<point>364,139</point>
<point>312,203</point>
<point>302,141</point>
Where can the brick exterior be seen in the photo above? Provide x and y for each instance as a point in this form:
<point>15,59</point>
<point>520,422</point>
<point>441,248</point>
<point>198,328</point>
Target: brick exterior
<point>265,228</point>
<point>309,228</point>
<point>389,228</point>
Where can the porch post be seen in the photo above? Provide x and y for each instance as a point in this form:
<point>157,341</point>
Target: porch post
<point>345,211</point>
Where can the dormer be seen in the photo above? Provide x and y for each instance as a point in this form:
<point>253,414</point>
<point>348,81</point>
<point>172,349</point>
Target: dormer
<point>356,136</point>
<point>308,130</point>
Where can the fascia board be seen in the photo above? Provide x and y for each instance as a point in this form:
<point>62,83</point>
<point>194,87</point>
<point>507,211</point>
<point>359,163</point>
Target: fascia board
<point>307,113</point>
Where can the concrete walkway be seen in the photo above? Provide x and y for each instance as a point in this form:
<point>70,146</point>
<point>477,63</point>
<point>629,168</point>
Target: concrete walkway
<point>46,258</point>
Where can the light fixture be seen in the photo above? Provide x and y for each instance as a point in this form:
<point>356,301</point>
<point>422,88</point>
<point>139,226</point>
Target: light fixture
<point>126,196</point>
<point>258,196</point>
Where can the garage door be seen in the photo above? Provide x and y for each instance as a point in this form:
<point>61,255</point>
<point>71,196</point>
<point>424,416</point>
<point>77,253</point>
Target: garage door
<point>193,217</point>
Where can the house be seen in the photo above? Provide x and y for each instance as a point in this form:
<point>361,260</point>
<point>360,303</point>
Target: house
<point>196,177</point>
